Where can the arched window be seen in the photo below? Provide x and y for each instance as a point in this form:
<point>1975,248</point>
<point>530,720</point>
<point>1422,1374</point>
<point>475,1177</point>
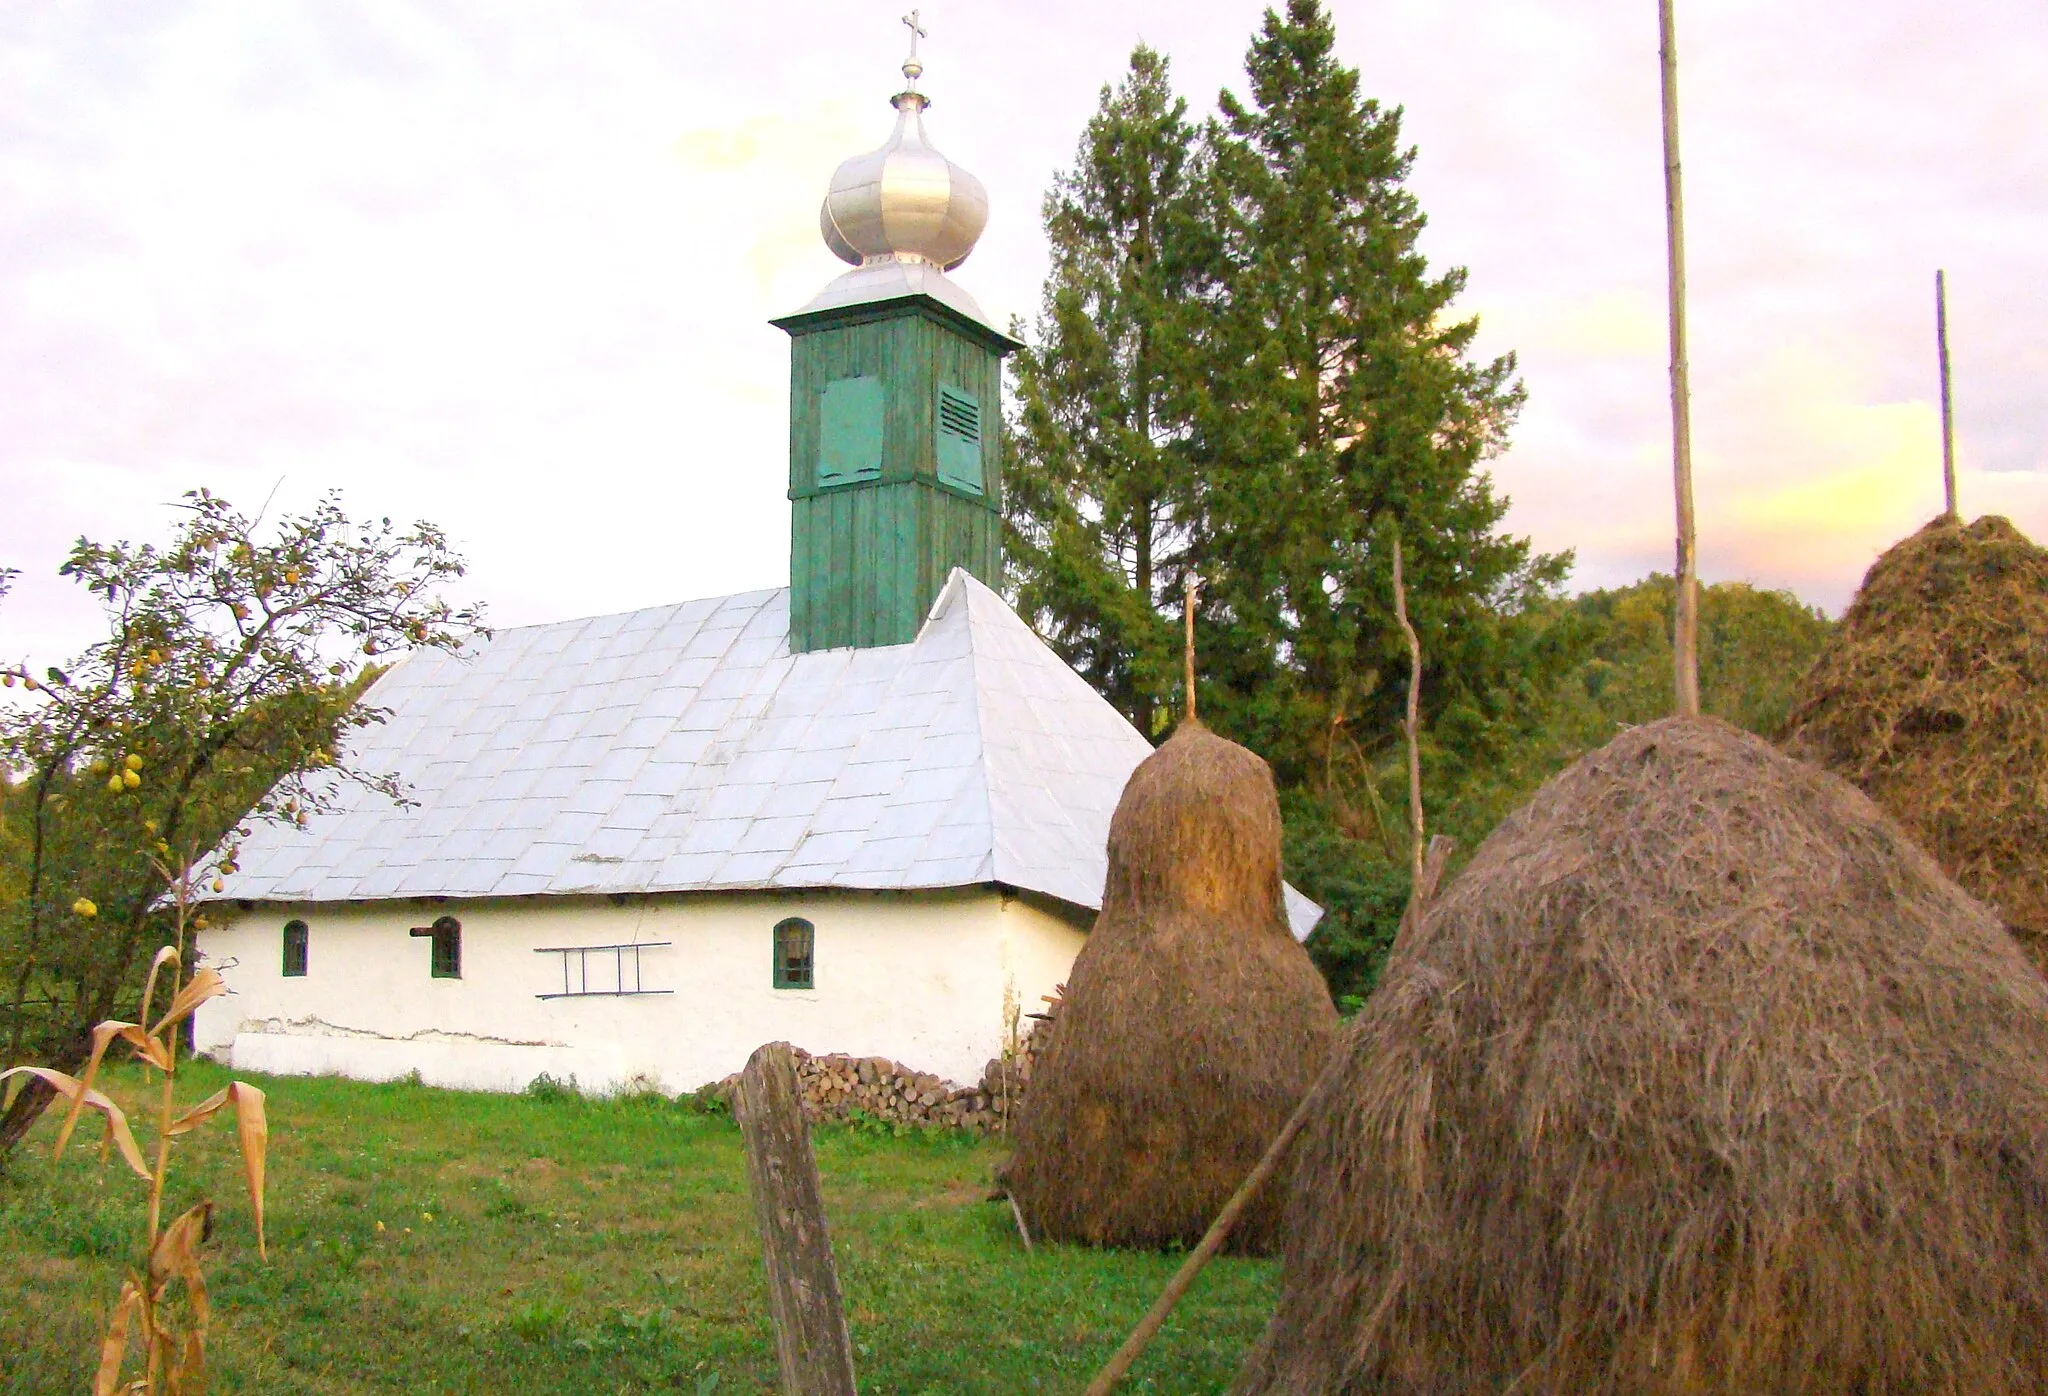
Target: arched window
<point>295,949</point>
<point>447,937</point>
<point>795,940</point>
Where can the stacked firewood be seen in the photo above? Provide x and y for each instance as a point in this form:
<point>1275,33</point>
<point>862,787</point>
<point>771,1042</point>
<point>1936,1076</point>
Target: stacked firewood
<point>836,1086</point>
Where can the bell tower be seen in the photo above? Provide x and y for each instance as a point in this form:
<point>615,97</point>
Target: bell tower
<point>895,398</point>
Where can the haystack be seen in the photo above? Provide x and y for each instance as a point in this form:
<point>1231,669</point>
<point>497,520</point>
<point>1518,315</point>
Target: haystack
<point>1193,1022</point>
<point>1933,699</point>
<point>1700,1078</point>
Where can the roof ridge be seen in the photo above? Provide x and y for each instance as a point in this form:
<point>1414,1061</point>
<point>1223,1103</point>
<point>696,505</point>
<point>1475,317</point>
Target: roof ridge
<point>957,585</point>
<point>497,631</point>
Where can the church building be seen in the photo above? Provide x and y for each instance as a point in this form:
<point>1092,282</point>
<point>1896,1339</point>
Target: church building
<point>865,813</point>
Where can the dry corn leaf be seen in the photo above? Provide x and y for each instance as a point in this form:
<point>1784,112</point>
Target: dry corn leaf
<point>201,1113</point>
<point>252,1129</point>
<point>167,955</point>
<point>177,1257</point>
<point>146,1047</point>
<point>74,1090</point>
<point>115,1346</point>
<point>188,1374</point>
<point>201,987</point>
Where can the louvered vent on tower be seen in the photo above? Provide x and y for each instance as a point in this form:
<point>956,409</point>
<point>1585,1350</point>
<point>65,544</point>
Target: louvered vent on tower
<point>959,438</point>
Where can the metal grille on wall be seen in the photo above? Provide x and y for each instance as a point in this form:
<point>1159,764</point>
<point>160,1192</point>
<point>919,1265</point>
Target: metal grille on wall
<point>616,973</point>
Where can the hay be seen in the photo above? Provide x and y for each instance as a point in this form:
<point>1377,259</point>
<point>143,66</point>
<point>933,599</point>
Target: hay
<point>1700,1078</point>
<point>1933,699</point>
<point>1193,1022</point>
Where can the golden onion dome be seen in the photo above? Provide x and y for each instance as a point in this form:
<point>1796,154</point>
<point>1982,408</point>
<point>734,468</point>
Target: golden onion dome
<point>904,202</point>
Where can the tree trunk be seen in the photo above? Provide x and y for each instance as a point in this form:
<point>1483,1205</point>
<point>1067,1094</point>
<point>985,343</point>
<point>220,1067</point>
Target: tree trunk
<point>811,1341</point>
<point>1141,698</point>
<point>1411,724</point>
<point>32,1099</point>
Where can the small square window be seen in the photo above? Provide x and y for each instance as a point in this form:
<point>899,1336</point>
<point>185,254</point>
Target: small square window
<point>794,943</point>
<point>446,934</point>
<point>295,949</point>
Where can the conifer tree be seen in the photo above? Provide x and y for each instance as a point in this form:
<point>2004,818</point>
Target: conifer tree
<point>1336,393</point>
<point>1097,492</point>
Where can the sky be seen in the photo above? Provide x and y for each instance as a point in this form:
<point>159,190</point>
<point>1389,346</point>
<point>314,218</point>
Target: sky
<point>508,265</point>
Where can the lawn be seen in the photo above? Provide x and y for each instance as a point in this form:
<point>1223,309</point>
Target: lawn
<point>429,1240</point>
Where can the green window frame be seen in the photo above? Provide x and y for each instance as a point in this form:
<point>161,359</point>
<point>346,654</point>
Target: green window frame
<point>957,422</point>
<point>446,934</point>
<point>850,430</point>
<point>295,936</point>
<point>796,942</point>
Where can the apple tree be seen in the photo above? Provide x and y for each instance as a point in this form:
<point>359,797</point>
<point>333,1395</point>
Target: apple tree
<point>234,662</point>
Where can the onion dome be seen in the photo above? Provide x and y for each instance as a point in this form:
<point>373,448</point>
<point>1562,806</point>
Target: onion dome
<point>904,202</point>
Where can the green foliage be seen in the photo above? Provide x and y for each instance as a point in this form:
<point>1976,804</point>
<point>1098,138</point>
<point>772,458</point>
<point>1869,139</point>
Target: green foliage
<point>1755,647</point>
<point>1602,662</point>
<point>705,1100</point>
<point>1245,370</point>
<point>1338,398</point>
<point>553,1088</point>
<point>1198,403</point>
<point>1362,892</point>
<point>1098,492</point>
<point>230,672</point>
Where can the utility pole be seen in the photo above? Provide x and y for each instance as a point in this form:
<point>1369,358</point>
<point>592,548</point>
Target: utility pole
<point>1685,634</point>
<point>1948,420</point>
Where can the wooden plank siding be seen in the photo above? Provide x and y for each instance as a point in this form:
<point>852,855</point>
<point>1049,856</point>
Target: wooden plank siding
<point>867,558</point>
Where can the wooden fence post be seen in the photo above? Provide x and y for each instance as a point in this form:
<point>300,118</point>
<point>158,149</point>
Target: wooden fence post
<point>811,1341</point>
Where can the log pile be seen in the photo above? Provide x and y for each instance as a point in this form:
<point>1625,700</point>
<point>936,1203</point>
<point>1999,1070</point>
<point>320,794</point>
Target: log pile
<point>834,1086</point>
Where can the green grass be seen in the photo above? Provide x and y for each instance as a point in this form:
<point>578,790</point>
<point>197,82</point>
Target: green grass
<point>538,1245</point>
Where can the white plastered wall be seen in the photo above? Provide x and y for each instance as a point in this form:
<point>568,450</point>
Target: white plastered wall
<point>929,979</point>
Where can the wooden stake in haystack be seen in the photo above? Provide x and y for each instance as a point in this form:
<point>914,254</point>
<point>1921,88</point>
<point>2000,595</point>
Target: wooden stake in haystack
<point>1948,420</point>
<point>1685,644</point>
<point>1192,1022</point>
<point>1192,588</point>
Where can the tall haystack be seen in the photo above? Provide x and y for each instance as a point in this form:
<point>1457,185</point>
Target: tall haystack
<point>1701,1078</point>
<point>1933,699</point>
<point>1192,1025</point>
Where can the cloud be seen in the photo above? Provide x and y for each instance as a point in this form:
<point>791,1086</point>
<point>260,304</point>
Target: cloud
<point>509,266</point>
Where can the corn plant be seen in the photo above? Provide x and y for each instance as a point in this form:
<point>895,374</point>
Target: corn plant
<point>173,1354</point>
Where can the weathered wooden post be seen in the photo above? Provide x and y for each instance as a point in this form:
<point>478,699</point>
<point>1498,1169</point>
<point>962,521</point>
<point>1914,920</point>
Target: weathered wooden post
<point>1948,416</point>
<point>811,1341</point>
<point>1685,633</point>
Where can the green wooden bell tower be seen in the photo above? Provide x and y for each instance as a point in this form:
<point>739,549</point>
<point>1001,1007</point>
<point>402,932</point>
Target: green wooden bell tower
<point>895,466</point>
<point>895,401</point>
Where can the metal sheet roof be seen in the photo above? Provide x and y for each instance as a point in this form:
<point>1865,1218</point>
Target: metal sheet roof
<point>684,748</point>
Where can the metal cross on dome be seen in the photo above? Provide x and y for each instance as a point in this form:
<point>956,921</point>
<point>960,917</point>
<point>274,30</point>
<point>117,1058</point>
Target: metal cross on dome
<point>911,67</point>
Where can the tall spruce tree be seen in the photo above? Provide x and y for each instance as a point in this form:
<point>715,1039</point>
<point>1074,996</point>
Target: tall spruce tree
<point>1337,395</point>
<point>1245,369</point>
<point>1097,492</point>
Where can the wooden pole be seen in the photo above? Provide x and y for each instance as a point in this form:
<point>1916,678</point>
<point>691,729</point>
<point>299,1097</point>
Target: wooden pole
<point>1948,420</point>
<point>1212,1241</point>
<point>1023,1231</point>
<point>1410,725</point>
<point>1440,849</point>
<point>1193,588</point>
<point>811,1342</point>
<point>1685,643</point>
